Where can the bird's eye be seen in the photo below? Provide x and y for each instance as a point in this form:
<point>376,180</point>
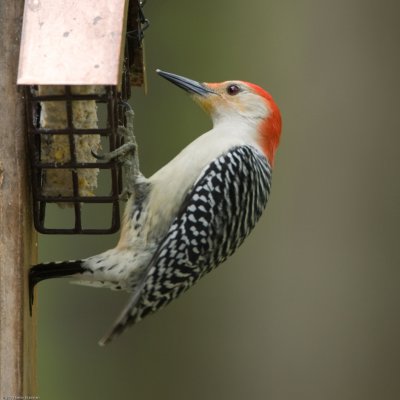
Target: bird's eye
<point>233,89</point>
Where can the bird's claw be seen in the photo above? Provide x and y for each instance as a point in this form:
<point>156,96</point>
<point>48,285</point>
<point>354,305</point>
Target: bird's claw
<point>126,193</point>
<point>118,154</point>
<point>97,156</point>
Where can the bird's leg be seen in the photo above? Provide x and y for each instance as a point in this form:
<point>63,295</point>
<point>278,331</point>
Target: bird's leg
<point>119,153</point>
<point>127,154</point>
<point>130,165</point>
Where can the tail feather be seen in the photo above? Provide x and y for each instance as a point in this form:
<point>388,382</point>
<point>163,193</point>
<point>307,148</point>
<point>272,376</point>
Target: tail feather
<point>128,316</point>
<point>41,272</point>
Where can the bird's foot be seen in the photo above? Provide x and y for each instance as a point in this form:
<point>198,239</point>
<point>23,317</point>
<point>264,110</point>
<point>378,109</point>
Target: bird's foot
<point>118,154</point>
<point>126,154</point>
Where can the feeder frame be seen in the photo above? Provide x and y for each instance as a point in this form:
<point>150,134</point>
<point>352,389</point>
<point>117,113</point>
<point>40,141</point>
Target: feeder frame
<point>115,118</point>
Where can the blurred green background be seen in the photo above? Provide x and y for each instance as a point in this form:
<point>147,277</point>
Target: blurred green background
<point>309,307</point>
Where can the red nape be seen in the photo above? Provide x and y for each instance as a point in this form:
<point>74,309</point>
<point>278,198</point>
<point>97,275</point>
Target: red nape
<point>270,129</point>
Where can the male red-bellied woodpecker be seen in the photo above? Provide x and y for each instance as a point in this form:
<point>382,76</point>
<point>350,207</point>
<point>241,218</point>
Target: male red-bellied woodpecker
<point>194,212</point>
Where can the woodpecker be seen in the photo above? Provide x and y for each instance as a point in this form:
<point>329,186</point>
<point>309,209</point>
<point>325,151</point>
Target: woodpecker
<point>193,213</point>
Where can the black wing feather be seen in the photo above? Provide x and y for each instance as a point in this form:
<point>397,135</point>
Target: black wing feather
<point>219,211</point>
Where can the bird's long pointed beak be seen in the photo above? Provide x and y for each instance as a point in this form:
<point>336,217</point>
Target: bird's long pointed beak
<point>186,84</point>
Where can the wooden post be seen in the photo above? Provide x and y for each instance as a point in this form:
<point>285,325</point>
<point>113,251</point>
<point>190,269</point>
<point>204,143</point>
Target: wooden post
<point>17,237</point>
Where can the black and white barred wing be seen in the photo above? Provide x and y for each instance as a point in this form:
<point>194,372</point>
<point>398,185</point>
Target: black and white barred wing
<point>218,213</point>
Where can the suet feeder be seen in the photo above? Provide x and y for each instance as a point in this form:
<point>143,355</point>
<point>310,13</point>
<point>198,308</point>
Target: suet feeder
<point>77,63</point>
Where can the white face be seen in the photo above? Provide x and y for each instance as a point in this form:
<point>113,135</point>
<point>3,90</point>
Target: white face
<point>232,100</point>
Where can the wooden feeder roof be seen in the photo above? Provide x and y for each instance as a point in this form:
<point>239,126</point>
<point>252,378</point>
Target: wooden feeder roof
<point>69,42</point>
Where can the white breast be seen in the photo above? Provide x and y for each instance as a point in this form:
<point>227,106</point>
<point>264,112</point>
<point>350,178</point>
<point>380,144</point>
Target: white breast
<point>172,182</point>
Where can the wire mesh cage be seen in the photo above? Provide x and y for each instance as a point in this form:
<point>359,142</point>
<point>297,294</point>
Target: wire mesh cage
<point>64,136</point>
